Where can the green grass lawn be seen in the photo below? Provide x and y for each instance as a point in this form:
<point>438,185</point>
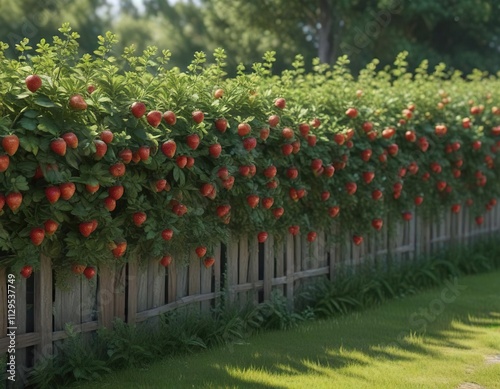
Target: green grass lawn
<point>438,339</point>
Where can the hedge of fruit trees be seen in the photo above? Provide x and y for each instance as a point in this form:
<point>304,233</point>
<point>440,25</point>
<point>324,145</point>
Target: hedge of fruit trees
<point>111,156</point>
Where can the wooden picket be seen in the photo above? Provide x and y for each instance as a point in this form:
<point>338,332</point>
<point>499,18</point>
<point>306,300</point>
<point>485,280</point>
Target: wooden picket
<point>244,270</point>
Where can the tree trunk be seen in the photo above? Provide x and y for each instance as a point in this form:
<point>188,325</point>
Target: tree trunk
<point>325,36</point>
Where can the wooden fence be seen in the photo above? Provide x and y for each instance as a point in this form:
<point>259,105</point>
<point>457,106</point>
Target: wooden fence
<point>245,268</point>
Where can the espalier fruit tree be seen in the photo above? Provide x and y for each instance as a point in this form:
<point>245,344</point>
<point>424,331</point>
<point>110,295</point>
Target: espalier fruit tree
<point>110,157</point>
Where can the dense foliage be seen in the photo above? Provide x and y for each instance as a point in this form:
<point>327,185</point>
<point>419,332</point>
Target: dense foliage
<point>145,161</point>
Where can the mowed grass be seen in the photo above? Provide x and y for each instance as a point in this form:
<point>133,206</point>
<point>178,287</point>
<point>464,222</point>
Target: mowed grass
<point>438,339</point>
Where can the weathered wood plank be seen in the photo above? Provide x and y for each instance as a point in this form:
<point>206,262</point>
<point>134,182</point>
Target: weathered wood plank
<point>217,268</point>
<point>253,265</point>
<point>244,259</point>
<point>232,268</point>
<point>132,291</point>
<point>156,292</point>
<point>289,269</point>
<point>43,308</point>
<point>206,275</point>
<point>268,266</point>
<point>142,288</point>
<point>182,280</point>
<point>67,304</point>
<point>279,262</point>
<point>194,275</point>
<point>106,296</point>
<point>119,291</point>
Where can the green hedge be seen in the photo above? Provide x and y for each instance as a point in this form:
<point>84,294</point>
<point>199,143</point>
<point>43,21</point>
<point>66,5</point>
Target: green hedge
<point>320,147</point>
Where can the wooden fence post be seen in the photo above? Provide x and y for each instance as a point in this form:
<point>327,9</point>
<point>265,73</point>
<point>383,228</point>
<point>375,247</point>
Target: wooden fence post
<point>132,292</point>
<point>268,266</point>
<point>289,269</point>
<point>43,308</point>
<point>106,296</point>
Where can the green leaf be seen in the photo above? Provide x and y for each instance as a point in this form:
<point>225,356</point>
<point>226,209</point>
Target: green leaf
<point>48,125</point>
<point>44,101</point>
<point>28,124</point>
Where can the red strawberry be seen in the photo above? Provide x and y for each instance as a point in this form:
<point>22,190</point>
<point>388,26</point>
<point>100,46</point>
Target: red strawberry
<point>280,103</point>
<point>423,143</point>
<point>86,228</point>
<point>311,140</point>
<point>117,170</point>
<point>273,120</point>
<point>10,144</point>
<point>351,188</point>
<point>329,171</point>
<point>219,93</point>
<point>2,202</point>
<point>110,204</point>
<point>52,193</point>
<point>223,210</point>
<point>334,211</point>
<point>366,155</point>
<point>206,189</point>
<point>91,89</point>
<point>14,200</point>
<point>168,148</point>
<point>377,194</point>
<point>215,150</point>
<point>78,269</point>
<point>244,170</point>
<point>294,230</point>
<point>253,200</point>
<point>201,251</point>
<point>160,185</point>
<point>125,155</point>
<point>301,193</point>
<point>292,173</point>
<point>455,208</point>
<point>293,194</point>
<point>262,236</point>
<point>287,133</point>
<point>367,127</point>
<point>441,185</point>
<point>26,271</point>
<point>139,218</point>
<point>223,173</point>
<point>67,190</point>
<point>77,102</point>
<point>244,129</point>
<point>296,146</point>
<point>116,192</point>
<point>278,212</point>
<point>316,165</point>
<point>169,118</point>
<point>198,116</point>
<point>287,149</point>
<point>120,249</point>
<point>273,184</point>
<point>388,132</point>
<point>267,202</point>
<point>193,141</point>
<point>208,262</point>
<point>325,195</point>
<point>479,220</point>
<point>476,145</point>
<point>304,129</point>
<point>92,188</point>
<point>144,152</point>
<point>249,143</point>
<point>167,234</point>
<point>418,200</point>
<point>440,130</point>
<point>264,133</point>
<point>89,272</point>
<point>357,240</point>
<point>407,216</point>
<point>33,82</point>
<point>181,161</point>
<point>166,260</point>
<point>179,209</point>
<point>339,139</point>
<point>228,184</point>
<point>4,163</point>
<point>100,149</point>
<point>58,146</point>
<point>383,157</point>
<point>189,162</point>
<point>154,118</point>
<point>393,149</point>
<point>221,124</point>
<point>351,112</point>
<point>410,136</point>
<point>138,109</point>
<point>37,235</point>
<point>377,224</point>
<point>368,177</point>
<point>270,171</point>
<point>311,236</point>
<point>106,136</point>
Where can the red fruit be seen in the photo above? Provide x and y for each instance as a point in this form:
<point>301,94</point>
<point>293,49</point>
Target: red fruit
<point>406,216</point>
<point>410,136</point>
<point>117,170</point>
<point>329,171</point>
<point>92,188</point>
<point>168,148</point>
<point>37,235</point>
<point>262,236</point>
<point>367,127</point>
<point>301,193</point>
<point>311,140</point>
<point>280,103</point>
<point>198,116</point>
<point>351,188</point>
<point>388,132</point>
<point>287,133</point>
<point>219,93</point>
<point>116,192</point>
<point>86,228</point>
<point>476,145</point>
<point>351,112</point>
<point>273,184</point>
<point>466,123</point>
<point>316,164</point>
<point>244,170</point>
<point>33,82</point>
<point>264,133</point>
<point>253,200</point>
<point>278,212</point>
<point>26,271</point>
<point>249,143</point>
<point>125,155</point>
<point>456,173</point>
<point>106,136</point>
<point>334,211</point>
<point>296,146</point>
<point>377,194</point>
<point>89,272</point>
<point>139,218</point>
<point>440,130</point>
<point>14,200</point>
<point>423,144</point>
<point>393,149</point>
<point>167,234</point>
<point>120,249</point>
<point>223,210</point>
<point>10,144</point>
<point>383,157</point>
<point>357,240</point>
<point>52,193</point>
<point>304,129</point>
<point>287,149</point>
<point>244,129</point>
<point>206,189</point>
<point>193,141</point>
<point>77,102</point>
<point>90,89</point>
<point>426,176</point>
<point>78,269</point>
<point>100,149</point>
<point>418,200</point>
<point>315,123</point>
<point>50,227</point>
<point>138,109</point>
<point>377,224</point>
<point>273,120</point>
<point>339,139</point>
<point>407,113</point>
<point>366,155</point>
<point>368,177</point>
<point>67,190</point>
<point>58,146</point>
<point>4,163</point>
<point>110,204</point>
<point>479,220</point>
<point>223,173</point>
<point>267,202</point>
<point>270,171</point>
<point>293,194</point>
<point>413,168</point>
<point>441,185</point>
<point>215,150</point>
<point>181,161</point>
<point>311,236</point>
<point>292,173</point>
<point>154,118</point>
<point>166,260</point>
<point>325,195</point>
<point>169,118</point>
<point>200,251</point>
<point>294,230</point>
<point>208,262</point>
<point>455,208</point>
<point>228,184</point>
<point>179,209</point>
